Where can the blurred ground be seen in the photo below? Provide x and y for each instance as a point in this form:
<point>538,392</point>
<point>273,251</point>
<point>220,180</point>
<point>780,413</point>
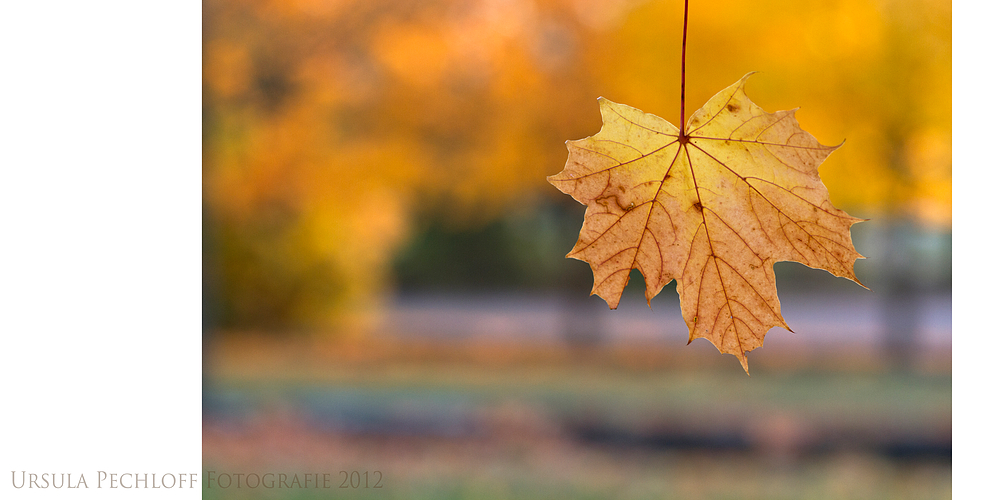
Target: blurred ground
<point>493,415</point>
<point>818,319</point>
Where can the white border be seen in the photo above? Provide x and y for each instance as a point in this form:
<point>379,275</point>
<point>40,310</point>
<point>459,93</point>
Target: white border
<point>100,217</point>
<point>975,165</point>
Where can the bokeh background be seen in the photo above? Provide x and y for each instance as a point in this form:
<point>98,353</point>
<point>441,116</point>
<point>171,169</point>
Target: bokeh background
<point>385,281</point>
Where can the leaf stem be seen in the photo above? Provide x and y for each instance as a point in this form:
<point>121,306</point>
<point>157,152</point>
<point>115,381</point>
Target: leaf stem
<point>683,63</point>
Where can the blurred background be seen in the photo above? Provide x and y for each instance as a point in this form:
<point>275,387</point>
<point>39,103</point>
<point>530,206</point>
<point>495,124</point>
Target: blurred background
<point>384,276</point>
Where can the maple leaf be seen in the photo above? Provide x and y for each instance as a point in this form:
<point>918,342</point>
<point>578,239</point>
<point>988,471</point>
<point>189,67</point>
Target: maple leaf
<point>713,208</point>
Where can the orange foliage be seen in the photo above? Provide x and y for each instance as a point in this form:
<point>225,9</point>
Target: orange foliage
<point>328,123</point>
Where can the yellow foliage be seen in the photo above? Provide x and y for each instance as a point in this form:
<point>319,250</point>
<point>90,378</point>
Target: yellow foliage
<point>318,112</point>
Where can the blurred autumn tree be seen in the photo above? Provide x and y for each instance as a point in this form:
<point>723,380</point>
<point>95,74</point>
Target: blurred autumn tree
<point>332,126</point>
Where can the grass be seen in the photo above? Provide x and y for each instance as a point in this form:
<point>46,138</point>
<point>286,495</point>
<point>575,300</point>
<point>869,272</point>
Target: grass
<point>482,423</point>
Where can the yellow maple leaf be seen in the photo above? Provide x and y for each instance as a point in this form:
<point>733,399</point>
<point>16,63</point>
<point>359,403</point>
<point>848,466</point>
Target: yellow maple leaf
<point>713,208</point>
